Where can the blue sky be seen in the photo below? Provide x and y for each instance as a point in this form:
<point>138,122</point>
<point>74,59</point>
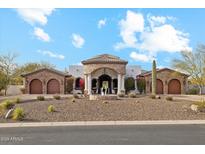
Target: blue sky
<point>68,36</point>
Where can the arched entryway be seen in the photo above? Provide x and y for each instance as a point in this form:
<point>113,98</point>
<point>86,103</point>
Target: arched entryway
<point>36,87</point>
<point>107,80</point>
<point>160,87</point>
<point>53,87</point>
<point>94,85</point>
<point>174,87</point>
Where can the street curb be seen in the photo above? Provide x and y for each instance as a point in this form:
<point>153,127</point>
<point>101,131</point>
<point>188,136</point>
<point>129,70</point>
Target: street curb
<point>102,123</point>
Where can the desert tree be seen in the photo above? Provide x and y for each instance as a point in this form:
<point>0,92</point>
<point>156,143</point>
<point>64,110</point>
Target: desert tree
<point>7,66</point>
<point>193,64</point>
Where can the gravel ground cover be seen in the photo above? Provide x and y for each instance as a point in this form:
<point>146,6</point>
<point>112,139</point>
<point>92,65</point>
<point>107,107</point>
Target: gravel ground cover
<point>142,108</point>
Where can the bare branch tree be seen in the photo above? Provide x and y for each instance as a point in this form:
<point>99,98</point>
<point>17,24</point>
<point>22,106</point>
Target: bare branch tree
<point>193,63</point>
<point>7,66</point>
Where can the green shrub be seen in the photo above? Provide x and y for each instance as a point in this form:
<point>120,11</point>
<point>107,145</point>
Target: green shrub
<point>121,95</point>
<point>141,85</point>
<point>75,96</point>
<point>132,95</point>
<point>193,91</point>
<point>169,98</point>
<point>152,96</point>
<point>69,85</point>
<point>57,97</point>
<point>129,84</point>
<point>7,104</point>
<point>18,114</point>
<point>40,98</point>
<point>16,100</point>
<point>51,108</point>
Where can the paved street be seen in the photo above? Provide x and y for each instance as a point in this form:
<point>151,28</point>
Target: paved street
<point>137,134</point>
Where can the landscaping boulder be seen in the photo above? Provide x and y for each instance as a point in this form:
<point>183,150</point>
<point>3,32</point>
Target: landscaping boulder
<point>9,114</point>
<point>194,108</point>
<point>158,97</point>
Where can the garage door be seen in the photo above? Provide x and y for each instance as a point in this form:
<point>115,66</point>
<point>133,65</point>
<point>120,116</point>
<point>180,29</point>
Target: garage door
<point>53,87</point>
<point>159,87</point>
<point>174,87</point>
<point>36,87</point>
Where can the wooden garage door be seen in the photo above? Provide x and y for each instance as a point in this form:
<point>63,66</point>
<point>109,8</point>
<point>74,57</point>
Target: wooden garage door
<point>36,87</point>
<point>53,87</point>
<point>174,87</point>
<point>159,87</point>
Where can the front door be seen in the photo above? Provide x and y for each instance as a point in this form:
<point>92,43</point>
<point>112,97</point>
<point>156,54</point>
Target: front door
<point>104,80</point>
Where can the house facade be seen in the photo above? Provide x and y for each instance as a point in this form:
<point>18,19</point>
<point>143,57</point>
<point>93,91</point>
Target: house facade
<point>168,81</point>
<point>101,70</point>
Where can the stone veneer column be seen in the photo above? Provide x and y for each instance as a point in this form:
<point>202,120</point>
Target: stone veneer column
<point>136,88</point>
<point>86,82</point>
<point>118,83</point>
<point>89,84</point>
<point>123,82</point>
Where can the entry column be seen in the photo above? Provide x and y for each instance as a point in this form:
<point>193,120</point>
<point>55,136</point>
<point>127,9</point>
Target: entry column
<point>123,83</point>
<point>89,84</point>
<point>118,83</point>
<point>86,82</point>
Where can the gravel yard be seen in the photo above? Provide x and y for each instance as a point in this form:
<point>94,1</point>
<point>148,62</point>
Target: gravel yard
<point>142,108</point>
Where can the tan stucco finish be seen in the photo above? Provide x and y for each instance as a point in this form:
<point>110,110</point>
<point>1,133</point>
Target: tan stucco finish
<point>45,76</point>
<point>166,76</point>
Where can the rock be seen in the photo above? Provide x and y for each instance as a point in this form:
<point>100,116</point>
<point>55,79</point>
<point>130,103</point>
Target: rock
<point>137,101</point>
<point>158,97</point>
<point>194,108</point>
<point>9,114</point>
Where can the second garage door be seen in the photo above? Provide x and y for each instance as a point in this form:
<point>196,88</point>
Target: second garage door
<point>53,86</point>
<point>174,87</point>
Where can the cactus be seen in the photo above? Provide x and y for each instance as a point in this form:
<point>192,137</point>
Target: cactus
<point>154,78</point>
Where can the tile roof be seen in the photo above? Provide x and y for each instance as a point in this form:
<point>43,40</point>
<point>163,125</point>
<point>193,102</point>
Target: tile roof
<point>160,70</point>
<point>104,58</point>
<point>48,69</point>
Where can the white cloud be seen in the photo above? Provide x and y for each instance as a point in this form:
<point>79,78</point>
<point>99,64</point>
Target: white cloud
<point>133,23</point>
<point>150,36</point>
<point>101,23</point>
<point>41,35</point>
<point>51,54</point>
<point>164,38</point>
<point>77,40</point>
<point>139,57</point>
<point>33,16</point>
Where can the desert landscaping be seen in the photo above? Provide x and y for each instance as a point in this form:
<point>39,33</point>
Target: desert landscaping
<point>80,108</point>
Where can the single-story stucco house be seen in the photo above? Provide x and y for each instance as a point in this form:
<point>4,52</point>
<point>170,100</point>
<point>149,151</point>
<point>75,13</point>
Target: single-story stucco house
<point>102,69</point>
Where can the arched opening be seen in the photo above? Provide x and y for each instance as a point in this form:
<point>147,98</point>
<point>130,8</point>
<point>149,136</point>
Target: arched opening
<point>36,87</point>
<point>53,87</point>
<point>94,85</point>
<point>78,83</point>
<point>105,80</point>
<point>174,87</point>
<point>160,87</point>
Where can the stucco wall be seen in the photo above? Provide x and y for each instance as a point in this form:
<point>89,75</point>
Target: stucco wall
<point>119,68</point>
<point>166,76</point>
<point>44,76</point>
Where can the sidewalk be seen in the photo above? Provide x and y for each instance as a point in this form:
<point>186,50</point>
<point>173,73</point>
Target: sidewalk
<point>102,123</point>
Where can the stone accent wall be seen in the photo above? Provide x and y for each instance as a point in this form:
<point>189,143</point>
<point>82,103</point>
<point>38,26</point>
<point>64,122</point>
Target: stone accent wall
<point>119,68</point>
<point>44,76</point>
<point>165,76</point>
